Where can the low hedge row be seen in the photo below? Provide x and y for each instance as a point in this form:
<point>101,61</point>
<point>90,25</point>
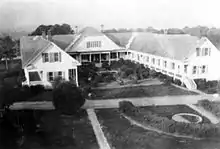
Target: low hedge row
<point>167,125</point>
<point>213,107</point>
<point>207,86</point>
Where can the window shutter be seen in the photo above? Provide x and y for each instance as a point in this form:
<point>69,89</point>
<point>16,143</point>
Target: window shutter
<point>50,57</point>
<point>48,79</point>
<point>43,57</point>
<point>60,56</point>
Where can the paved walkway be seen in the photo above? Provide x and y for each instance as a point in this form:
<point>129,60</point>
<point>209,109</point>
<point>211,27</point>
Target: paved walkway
<point>146,82</point>
<point>145,101</point>
<point>205,113</point>
<point>102,141</point>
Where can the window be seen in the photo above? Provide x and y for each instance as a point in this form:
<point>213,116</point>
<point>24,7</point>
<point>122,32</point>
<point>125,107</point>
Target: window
<point>45,57</point>
<point>52,75</point>
<point>178,68</point>
<point>113,55</point>
<point>153,60</point>
<point>206,51</point>
<point>85,57</point>
<point>173,66</point>
<point>147,58</point>
<point>158,62</point>
<point>194,70</point>
<point>51,57</point>
<point>72,74</point>
<point>197,51</point>
<point>34,76</point>
<point>56,57</point>
<point>93,44</point>
<point>185,68</point>
<point>165,64</point>
<point>204,69</point>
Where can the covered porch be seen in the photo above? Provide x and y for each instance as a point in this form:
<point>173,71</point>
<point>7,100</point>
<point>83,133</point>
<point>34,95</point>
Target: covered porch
<point>99,57</point>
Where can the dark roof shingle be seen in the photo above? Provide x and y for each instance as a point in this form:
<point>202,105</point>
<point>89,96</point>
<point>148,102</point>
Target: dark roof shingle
<point>31,46</point>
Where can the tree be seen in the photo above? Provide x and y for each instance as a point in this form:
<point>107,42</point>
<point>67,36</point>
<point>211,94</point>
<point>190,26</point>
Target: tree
<point>54,29</point>
<point>7,49</point>
<point>67,98</point>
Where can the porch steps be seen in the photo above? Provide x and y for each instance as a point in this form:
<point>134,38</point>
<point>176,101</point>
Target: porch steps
<point>190,83</point>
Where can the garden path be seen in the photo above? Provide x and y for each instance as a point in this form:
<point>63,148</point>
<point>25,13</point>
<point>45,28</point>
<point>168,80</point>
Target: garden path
<point>146,82</point>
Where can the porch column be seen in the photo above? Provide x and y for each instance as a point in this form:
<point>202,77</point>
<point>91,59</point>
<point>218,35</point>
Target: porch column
<point>100,58</point>
<point>117,55</point>
<point>27,76</point>
<point>77,83</point>
<point>90,57</point>
<point>109,60</point>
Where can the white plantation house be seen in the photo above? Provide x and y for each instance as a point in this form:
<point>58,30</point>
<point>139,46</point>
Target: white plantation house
<point>182,57</point>
<point>42,61</point>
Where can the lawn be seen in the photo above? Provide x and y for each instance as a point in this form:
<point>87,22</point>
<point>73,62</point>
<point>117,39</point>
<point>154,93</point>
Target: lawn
<point>82,136</point>
<point>122,135</point>
<point>140,91</point>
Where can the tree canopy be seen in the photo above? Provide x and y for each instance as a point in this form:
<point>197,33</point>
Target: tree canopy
<point>54,29</point>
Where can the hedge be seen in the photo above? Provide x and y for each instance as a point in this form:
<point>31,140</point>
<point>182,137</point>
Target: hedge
<point>167,125</point>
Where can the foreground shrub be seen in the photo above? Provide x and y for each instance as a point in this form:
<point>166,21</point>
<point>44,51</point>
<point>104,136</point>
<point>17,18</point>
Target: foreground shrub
<point>67,98</point>
<point>165,124</point>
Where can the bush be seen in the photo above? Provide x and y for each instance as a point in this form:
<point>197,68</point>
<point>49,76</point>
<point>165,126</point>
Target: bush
<point>106,65</point>
<point>128,108</point>
<point>153,73</point>
<point>67,98</point>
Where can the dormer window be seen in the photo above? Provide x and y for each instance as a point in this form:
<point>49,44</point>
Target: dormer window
<point>51,57</point>
<point>93,44</point>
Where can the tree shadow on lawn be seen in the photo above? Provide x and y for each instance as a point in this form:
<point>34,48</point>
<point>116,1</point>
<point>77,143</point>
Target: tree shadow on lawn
<point>121,134</point>
<point>140,91</point>
<point>71,132</point>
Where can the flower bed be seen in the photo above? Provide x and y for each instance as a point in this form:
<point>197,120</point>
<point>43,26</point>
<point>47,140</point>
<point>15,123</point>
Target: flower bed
<point>148,118</point>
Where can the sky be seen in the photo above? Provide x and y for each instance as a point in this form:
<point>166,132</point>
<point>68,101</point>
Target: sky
<point>112,13</point>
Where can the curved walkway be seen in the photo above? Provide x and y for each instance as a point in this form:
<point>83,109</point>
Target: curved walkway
<point>133,122</point>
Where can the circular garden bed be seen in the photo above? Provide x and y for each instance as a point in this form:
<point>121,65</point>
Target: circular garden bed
<point>193,125</point>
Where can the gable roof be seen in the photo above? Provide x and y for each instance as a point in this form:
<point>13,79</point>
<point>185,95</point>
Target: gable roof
<point>121,39</point>
<point>176,47</point>
<point>90,31</point>
<point>31,46</point>
<point>86,32</point>
<point>63,41</point>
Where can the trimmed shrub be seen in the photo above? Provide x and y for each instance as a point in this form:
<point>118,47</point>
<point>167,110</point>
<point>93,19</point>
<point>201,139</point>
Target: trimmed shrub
<point>67,98</point>
<point>106,65</point>
<point>128,108</point>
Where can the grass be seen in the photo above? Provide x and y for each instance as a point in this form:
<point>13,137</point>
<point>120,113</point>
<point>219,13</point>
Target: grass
<point>121,134</point>
<point>140,91</point>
